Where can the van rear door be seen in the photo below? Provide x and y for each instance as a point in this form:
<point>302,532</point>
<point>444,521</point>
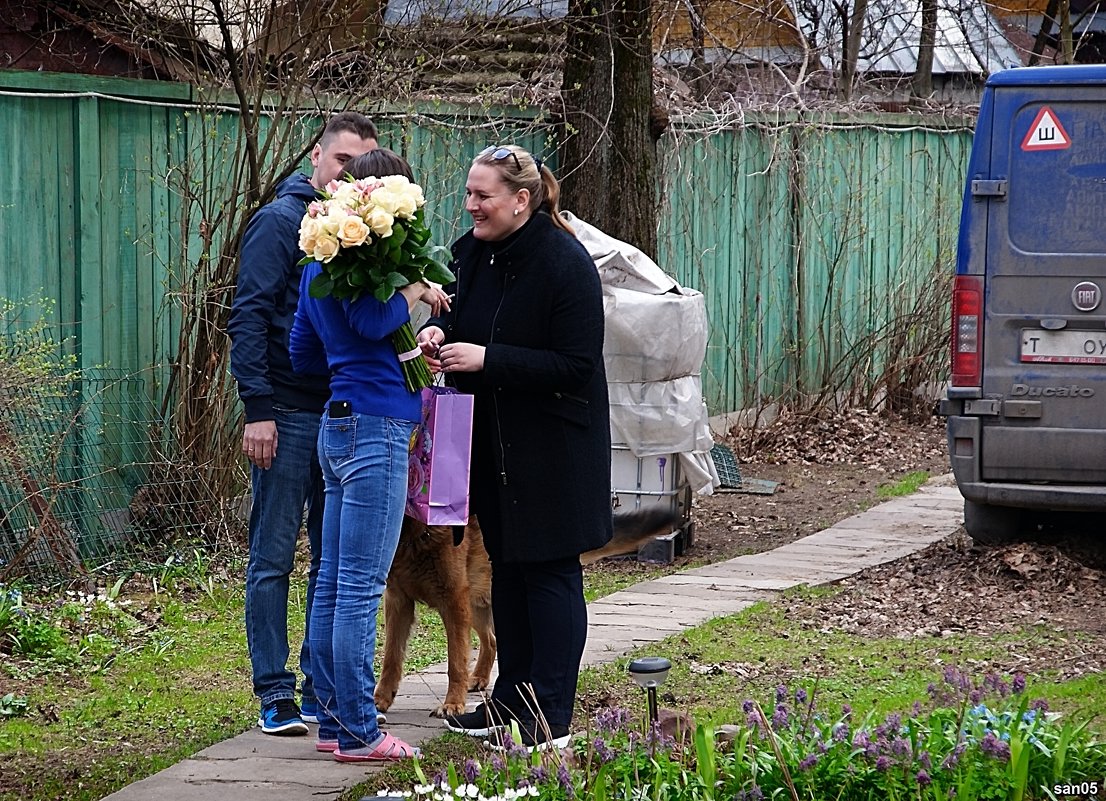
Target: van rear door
<point>1044,324</point>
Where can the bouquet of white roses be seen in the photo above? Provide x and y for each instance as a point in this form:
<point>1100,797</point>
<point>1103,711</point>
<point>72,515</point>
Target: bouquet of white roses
<point>369,235</point>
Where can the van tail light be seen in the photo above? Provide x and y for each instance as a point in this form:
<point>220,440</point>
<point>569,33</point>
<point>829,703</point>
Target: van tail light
<point>967,331</point>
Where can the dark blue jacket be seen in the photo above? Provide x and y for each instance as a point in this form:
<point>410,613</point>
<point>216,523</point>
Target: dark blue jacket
<point>265,308</point>
<point>352,341</point>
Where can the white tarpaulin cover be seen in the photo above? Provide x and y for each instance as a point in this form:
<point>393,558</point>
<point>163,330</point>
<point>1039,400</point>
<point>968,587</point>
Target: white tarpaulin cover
<point>656,340</point>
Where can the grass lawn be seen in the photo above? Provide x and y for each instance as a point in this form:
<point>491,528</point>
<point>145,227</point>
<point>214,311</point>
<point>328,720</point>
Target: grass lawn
<point>133,683</point>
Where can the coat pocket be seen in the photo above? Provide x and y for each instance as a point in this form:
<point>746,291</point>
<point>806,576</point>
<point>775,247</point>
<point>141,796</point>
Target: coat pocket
<point>570,408</point>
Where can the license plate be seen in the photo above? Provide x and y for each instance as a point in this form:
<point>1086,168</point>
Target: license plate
<point>1063,347</point>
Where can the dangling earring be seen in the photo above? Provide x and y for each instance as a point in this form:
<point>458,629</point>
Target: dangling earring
<point>516,212</point>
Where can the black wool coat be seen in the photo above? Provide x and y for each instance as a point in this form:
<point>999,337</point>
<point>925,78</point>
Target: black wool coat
<point>541,465</point>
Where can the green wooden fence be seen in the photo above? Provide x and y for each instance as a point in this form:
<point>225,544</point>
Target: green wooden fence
<point>807,234</point>
<point>809,238</point>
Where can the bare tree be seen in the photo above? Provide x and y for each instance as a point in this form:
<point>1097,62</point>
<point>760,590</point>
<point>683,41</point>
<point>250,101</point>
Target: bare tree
<point>608,153</point>
<point>256,110</point>
<point>852,35</point>
<point>587,94</point>
<point>922,85</point>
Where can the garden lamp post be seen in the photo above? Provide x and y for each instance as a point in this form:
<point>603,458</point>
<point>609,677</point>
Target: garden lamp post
<point>649,673</point>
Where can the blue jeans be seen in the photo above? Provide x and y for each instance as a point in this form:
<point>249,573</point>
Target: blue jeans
<point>279,496</point>
<point>364,461</point>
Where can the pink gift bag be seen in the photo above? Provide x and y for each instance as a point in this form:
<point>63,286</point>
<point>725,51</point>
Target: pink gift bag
<point>438,468</point>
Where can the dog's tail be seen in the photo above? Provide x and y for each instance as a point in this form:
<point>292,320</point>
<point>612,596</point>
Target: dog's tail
<point>632,530</point>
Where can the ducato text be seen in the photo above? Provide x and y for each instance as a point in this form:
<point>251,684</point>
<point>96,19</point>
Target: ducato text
<point>1074,391</point>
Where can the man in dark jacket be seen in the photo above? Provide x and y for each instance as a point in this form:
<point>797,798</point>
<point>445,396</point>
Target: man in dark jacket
<point>282,422</point>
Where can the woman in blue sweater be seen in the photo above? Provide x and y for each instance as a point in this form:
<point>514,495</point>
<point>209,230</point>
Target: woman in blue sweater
<point>363,445</point>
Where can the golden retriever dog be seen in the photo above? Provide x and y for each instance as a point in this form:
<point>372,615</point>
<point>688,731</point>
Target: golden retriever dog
<point>456,580</point>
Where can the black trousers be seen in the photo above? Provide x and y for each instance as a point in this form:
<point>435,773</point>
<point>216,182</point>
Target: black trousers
<point>541,625</point>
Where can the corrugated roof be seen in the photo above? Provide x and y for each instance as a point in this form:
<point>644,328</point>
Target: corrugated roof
<point>406,12</point>
<point>969,40</point>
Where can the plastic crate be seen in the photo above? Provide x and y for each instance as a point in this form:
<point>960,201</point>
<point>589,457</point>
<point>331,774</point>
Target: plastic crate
<point>647,481</point>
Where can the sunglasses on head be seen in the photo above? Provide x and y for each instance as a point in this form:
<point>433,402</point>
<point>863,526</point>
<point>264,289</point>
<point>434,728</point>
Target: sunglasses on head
<point>499,153</point>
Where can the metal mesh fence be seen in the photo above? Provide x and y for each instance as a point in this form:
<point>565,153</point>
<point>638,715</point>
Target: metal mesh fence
<point>84,477</point>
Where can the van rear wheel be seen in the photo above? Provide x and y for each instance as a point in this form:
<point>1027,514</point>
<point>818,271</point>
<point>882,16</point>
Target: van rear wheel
<point>987,524</point>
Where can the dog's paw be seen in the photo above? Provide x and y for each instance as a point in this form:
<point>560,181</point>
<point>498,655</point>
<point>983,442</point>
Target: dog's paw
<point>480,683</point>
<point>448,709</point>
<point>383,701</point>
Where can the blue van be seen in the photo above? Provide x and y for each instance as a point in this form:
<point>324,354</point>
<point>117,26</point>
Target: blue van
<point>1026,402</point>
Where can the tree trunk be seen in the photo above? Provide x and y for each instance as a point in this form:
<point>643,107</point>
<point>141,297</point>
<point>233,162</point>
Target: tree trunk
<point>697,73</point>
<point>587,94</point>
<point>1044,32</point>
<point>851,50</point>
<point>633,163</point>
<point>923,76</point>
<point>1067,51</point>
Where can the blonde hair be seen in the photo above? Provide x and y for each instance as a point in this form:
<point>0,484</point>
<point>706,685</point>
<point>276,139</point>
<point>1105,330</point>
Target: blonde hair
<point>523,171</point>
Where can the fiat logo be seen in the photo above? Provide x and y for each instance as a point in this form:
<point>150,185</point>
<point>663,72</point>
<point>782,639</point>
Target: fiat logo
<point>1086,296</point>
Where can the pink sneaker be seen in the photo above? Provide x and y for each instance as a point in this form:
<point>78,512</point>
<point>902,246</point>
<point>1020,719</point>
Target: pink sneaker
<point>328,746</point>
<point>388,749</point>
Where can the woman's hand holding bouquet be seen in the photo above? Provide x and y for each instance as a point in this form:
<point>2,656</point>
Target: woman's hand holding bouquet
<point>370,236</point>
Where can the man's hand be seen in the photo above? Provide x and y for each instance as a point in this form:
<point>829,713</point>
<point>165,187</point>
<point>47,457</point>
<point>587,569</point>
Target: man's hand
<point>430,339</point>
<point>259,443</point>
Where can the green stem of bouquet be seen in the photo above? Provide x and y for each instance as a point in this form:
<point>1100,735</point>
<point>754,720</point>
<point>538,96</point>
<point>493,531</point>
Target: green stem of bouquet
<point>415,372</point>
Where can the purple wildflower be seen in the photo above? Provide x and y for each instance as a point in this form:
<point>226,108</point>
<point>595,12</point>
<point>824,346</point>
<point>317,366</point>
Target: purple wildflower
<point>614,719</point>
<point>846,710</point>
<point>976,696</point>
<point>602,750</point>
<point>840,732</point>
<point>538,774</point>
<point>499,765</point>
<point>808,762</point>
<point>861,739</point>
<point>781,693</point>
<point>893,722</point>
<point>925,761</point>
<point>754,793</point>
<point>657,738</point>
<point>471,771</point>
<point>747,705</point>
<point>900,747</point>
<point>1040,705</point>
<point>780,718</point>
<point>990,744</point>
<point>883,763</point>
<point>800,696</point>
<point>1019,683</point>
<point>953,758</point>
<point>563,777</point>
<point>922,778</point>
<point>916,710</point>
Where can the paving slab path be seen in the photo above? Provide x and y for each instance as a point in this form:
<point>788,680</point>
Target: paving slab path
<point>258,767</point>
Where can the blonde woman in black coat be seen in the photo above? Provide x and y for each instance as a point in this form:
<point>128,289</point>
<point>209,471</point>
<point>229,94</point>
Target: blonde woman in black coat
<point>525,337</point>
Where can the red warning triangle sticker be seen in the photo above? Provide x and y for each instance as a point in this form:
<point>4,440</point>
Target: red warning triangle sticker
<point>1046,133</point>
